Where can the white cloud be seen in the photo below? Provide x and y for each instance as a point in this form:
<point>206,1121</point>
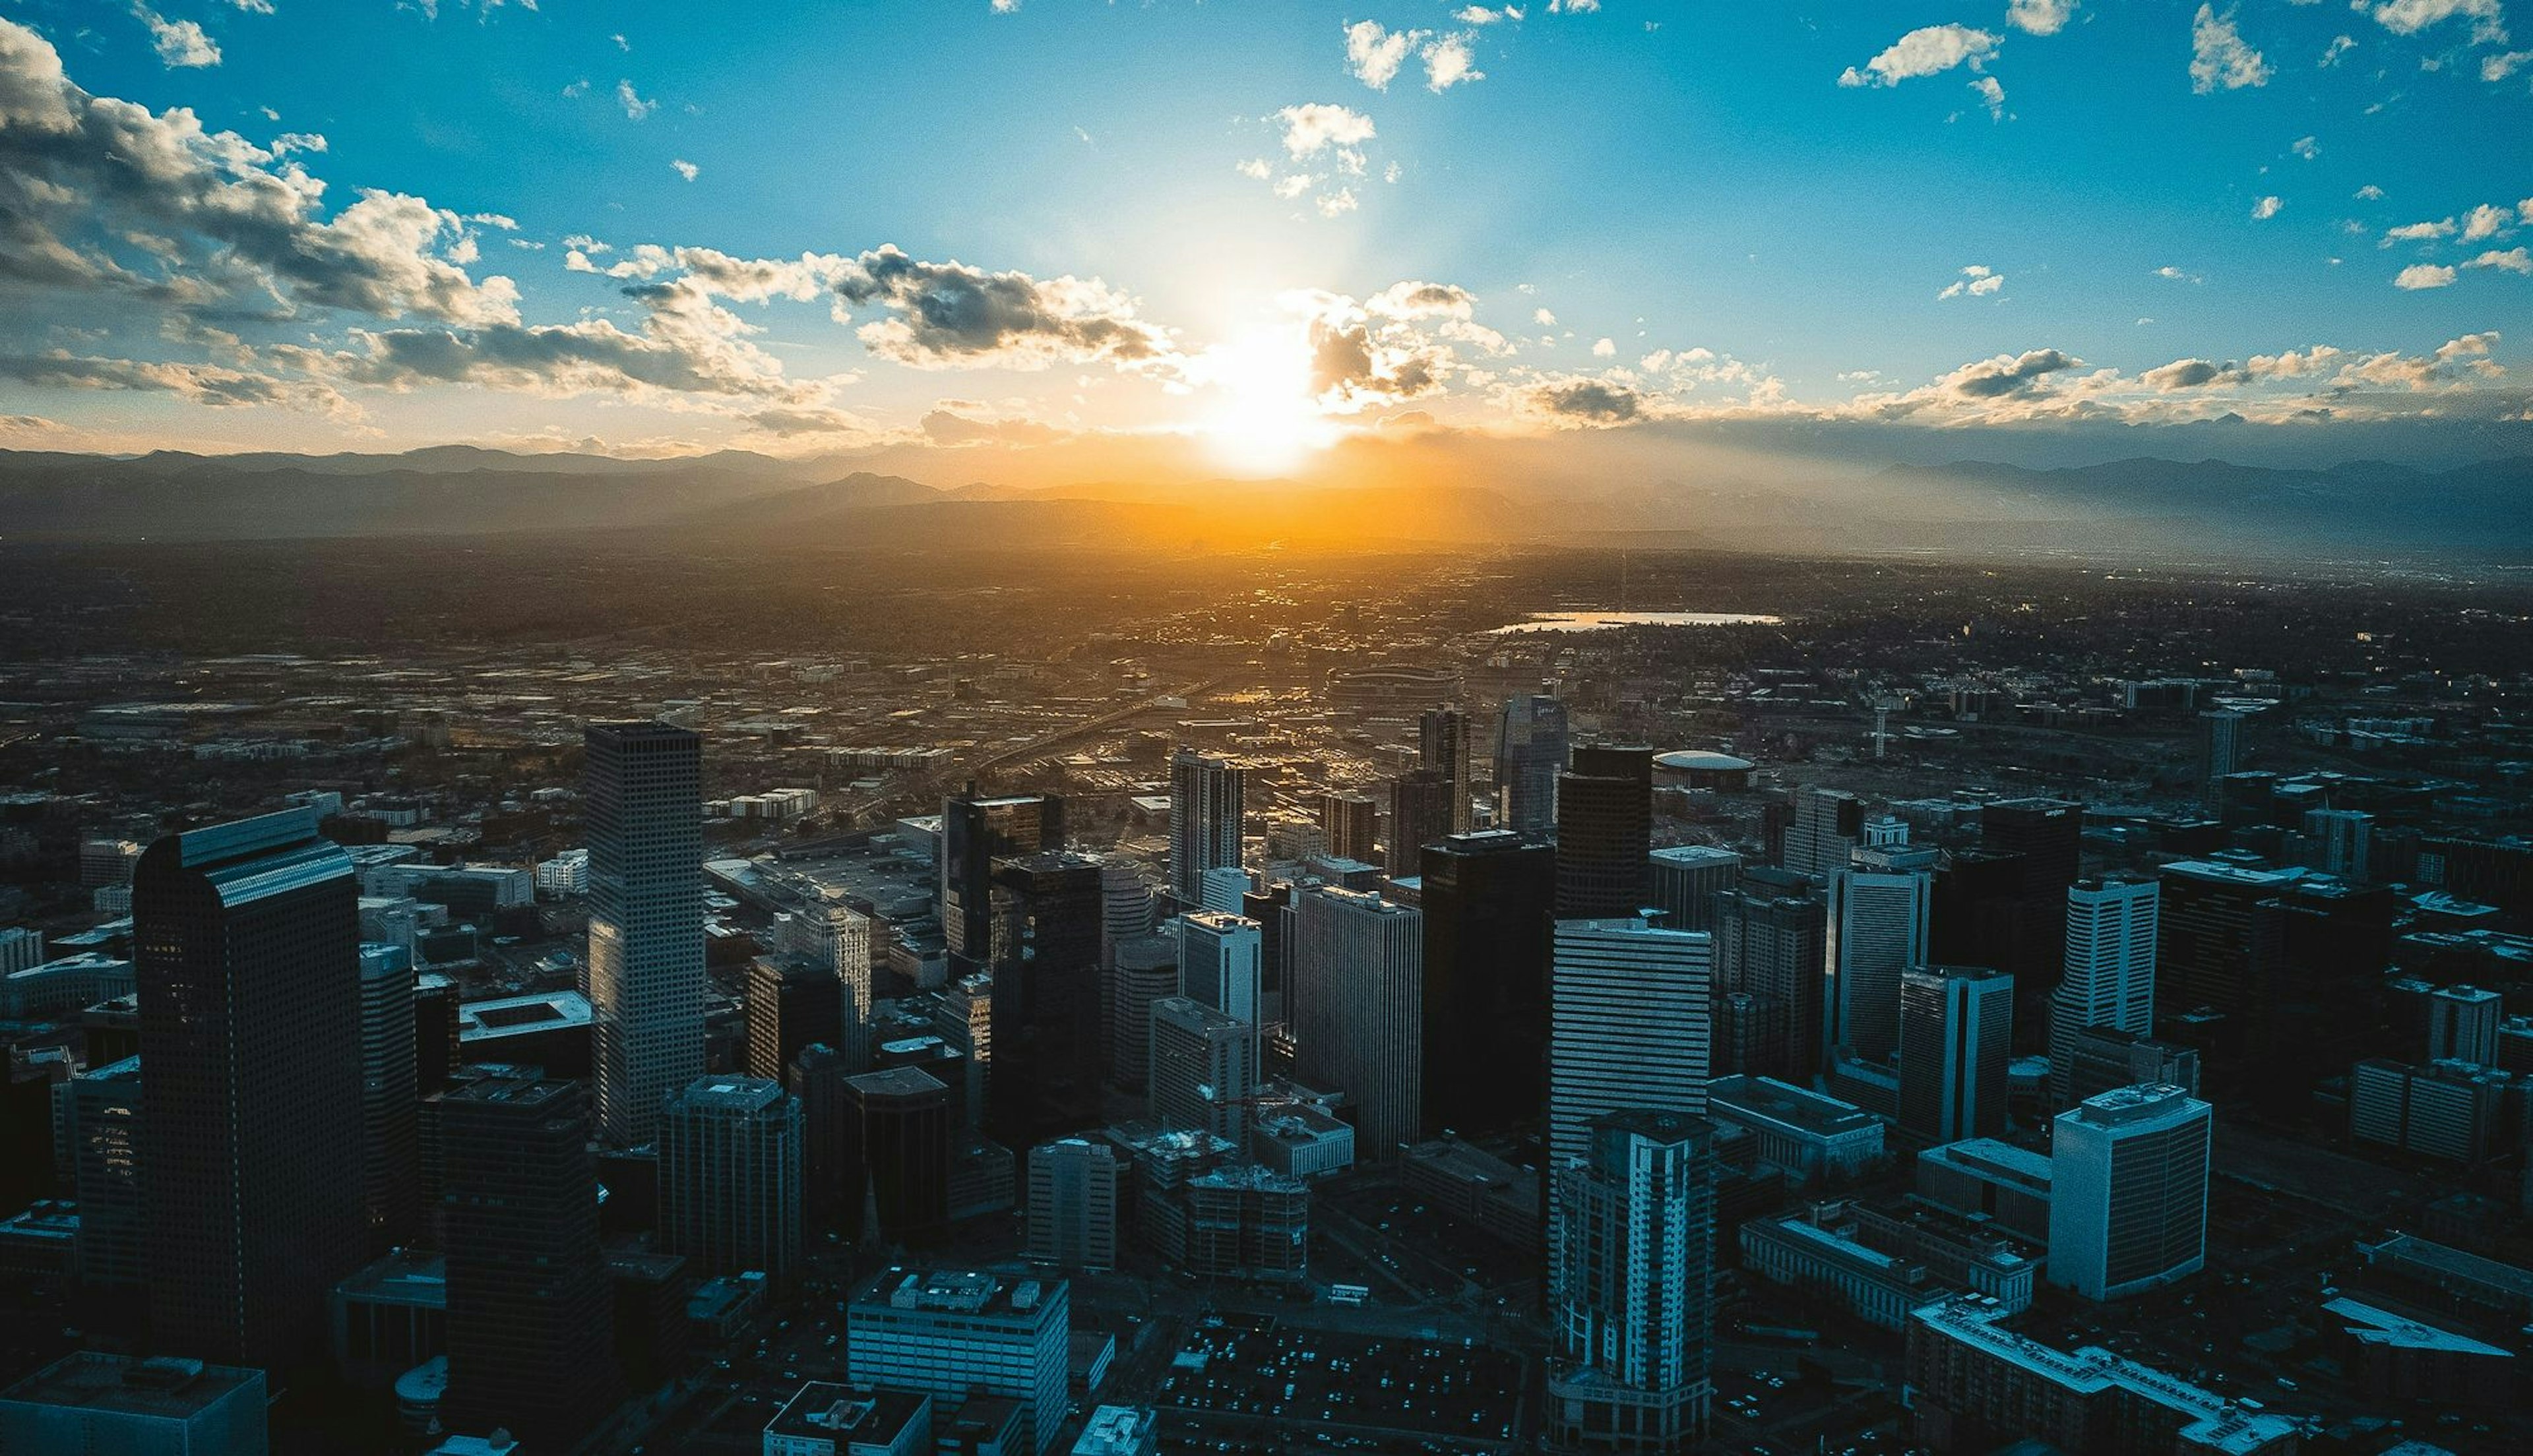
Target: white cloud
<point>2265,209</point>
<point>1976,281</point>
<point>2218,57</point>
<point>2420,275</point>
<point>686,169</point>
<point>1006,7</point>
<point>2177,275</point>
<point>1543,317</point>
<point>179,43</point>
<point>2369,193</point>
<point>1448,62</point>
<point>2485,221</point>
<point>1928,50</point>
<point>2503,65</point>
<point>1254,169</point>
<point>2512,261</point>
<point>636,108</point>
<point>2418,232</point>
<point>2341,45</point>
<point>1992,95</point>
<point>2307,147</point>
<point>1479,15</point>
<point>1375,54</point>
<point>1315,126</point>
<point>2409,17</point>
<point>2040,17</point>
<point>1605,348</point>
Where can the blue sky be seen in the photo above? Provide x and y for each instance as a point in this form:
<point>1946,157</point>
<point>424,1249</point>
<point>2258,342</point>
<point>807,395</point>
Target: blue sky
<point>2012,216</point>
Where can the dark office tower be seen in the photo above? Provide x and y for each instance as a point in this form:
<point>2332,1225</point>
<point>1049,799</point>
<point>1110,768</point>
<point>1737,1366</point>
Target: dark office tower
<point>904,1133</point>
<point>25,1133</point>
<point>1632,1286</point>
<point>1442,743</point>
<point>1208,802</point>
<point>1530,752</point>
<point>2316,1000</point>
<point>1985,914</point>
<point>1419,813</point>
<point>1681,882</point>
<point>1956,1039</point>
<point>790,1004</point>
<point>390,1160</point>
<point>530,1303</point>
<point>2221,750</point>
<point>1827,826</point>
<point>974,833</point>
<point>435,1032</point>
<point>2048,833</point>
<point>2203,942</point>
<point>730,1177</point>
<point>1273,909</point>
<point>104,1131</point>
<point>817,1078</point>
<point>1352,824</point>
<point>1489,905</point>
<point>1045,1008</point>
<point>247,957</point>
<point>1772,942</point>
<point>1605,817</point>
<point>643,805</point>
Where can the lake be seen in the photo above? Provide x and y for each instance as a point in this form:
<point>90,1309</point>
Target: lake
<point>1595,622</point>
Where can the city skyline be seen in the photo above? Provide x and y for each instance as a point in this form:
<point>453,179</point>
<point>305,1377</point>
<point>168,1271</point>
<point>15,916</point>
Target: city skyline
<point>1174,240</point>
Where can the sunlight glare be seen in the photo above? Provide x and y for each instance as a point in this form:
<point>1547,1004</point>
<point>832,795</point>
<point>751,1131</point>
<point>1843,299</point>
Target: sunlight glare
<point>1261,418</point>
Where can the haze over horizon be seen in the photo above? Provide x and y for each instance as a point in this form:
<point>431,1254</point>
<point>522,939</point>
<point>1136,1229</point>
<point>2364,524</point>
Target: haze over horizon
<point>1175,242</point>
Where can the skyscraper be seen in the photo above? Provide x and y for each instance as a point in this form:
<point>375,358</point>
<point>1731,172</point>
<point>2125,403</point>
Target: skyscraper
<point>792,1004</point>
<point>1208,804</point>
<point>1828,825</point>
<point>1877,929</point>
<point>2221,750</point>
<point>1632,1007</point>
<point>107,1171</point>
<point>1442,744</point>
<point>390,1098</point>
<point>1604,831</point>
<point>974,833</point>
<point>1489,906</point>
<point>1148,969</point>
<point>1045,1072</point>
<point>1220,962</point>
<point>1771,939</point>
<point>529,1300</point>
<point>1956,1038</point>
<point>836,938</point>
<point>643,802</point>
<point>1419,813</point>
<point>1352,824</point>
<point>903,1135</point>
<point>2109,975</point>
<point>2128,1191</point>
<point>2338,841</point>
<point>1682,881</point>
<point>1203,1064</point>
<point>1076,1196</point>
<point>2462,1025</point>
<point>730,1177</point>
<point>246,948</point>
<point>1530,752</point>
<point>1357,1009</point>
<point>1632,1283</point>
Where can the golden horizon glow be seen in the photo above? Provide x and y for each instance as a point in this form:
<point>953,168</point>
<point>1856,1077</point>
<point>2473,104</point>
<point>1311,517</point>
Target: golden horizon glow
<point>1263,418</point>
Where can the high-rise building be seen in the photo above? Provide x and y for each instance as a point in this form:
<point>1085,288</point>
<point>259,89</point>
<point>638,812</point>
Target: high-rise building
<point>1531,747</point>
<point>1045,1072</point>
<point>2048,833</point>
<point>792,1004</point>
<point>1205,1065</point>
<point>246,948</point>
<point>2338,841</point>
<point>976,833</point>
<point>22,948</point>
<point>955,1335</point>
<point>1631,1008</point>
<point>1877,929</point>
<point>1220,962</point>
<point>1420,814</point>
<point>529,1300</point>
<point>1956,1039</point>
<point>817,1078</point>
<point>1683,881</point>
<point>106,1171</point>
<point>1352,824</point>
<point>390,1097</point>
<point>1604,831</point>
<point>2221,750</point>
<point>1148,969</point>
<point>1489,904</point>
<point>2109,975</point>
<point>2462,1025</point>
<point>1077,1201</point>
<point>1828,825</point>
<point>903,1135</point>
<point>2313,993</point>
<point>2101,1058</point>
<point>111,1405</point>
<point>1208,804</point>
<point>1225,888</point>
<point>643,802</point>
<point>1442,744</point>
<point>836,938</point>
<point>730,1177</point>
<point>2203,953</point>
<point>1771,940</point>
<point>1273,909</point>
<point>1357,1009</point>
<point>2128,1191</point>
<point>1632,1286</point>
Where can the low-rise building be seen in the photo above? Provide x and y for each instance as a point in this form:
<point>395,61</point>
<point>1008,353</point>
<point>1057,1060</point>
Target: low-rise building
<point>829,1419</point>
<point>1803,1133</point>
<point>90,1402</point>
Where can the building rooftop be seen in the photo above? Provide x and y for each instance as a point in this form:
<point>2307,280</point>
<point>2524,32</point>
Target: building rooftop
<point>167,1388</point>
<point>1764,1098</point>
<point>1701,760</point>
<point>956,1292</point>
<point>1116,1430</point>
<point>405,1277</point>
<point>1990,1158</point>
<point>2370,1325</point>
<point>845,1415</point>
<point>521,1015</point>
<point>731,1092</point>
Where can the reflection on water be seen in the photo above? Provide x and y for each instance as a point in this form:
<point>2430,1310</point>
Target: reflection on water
<point>1594,622</point>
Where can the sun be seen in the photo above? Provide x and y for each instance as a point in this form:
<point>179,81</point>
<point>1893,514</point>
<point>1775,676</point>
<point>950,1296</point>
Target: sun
<point>1260,417</point>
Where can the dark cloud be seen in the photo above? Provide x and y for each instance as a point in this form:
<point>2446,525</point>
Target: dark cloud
<point>948,315</point>
<point>2008,374</point>
<point>1596,400</point>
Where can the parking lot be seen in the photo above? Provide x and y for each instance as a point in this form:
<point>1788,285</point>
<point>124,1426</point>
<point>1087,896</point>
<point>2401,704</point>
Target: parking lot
<point>1244,1378</point>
